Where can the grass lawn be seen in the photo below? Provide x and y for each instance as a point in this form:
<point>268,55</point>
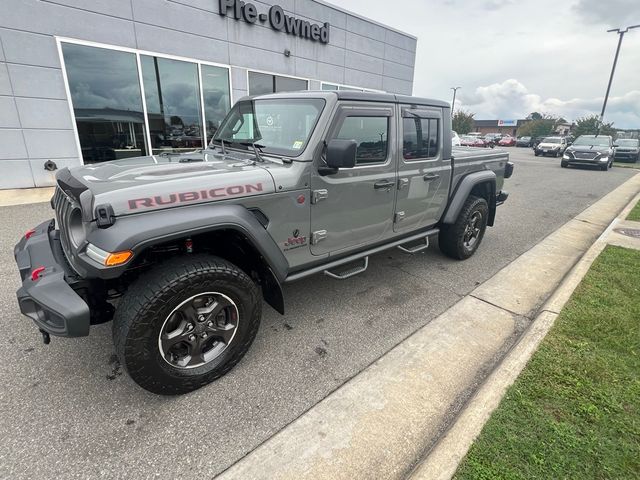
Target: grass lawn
<point>574,412</point>
<point>626,165</point>
<point>635,213</point>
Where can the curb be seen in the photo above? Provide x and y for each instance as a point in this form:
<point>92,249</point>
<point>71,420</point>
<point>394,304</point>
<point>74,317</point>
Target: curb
<point>382,422</point>
<point>442,461</point>
<point>24,196</point>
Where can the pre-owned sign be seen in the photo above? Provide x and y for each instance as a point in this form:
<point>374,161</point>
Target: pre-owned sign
<point>278,20</point>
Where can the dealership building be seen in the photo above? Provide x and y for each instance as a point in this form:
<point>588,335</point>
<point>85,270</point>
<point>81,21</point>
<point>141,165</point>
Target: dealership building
<point>83,82</point>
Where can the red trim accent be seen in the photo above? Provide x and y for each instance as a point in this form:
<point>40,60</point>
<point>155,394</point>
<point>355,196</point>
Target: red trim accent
<point>36,273</point>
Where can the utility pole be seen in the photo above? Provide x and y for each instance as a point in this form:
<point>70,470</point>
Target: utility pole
<point>621,33</point>
<point>453,104</point>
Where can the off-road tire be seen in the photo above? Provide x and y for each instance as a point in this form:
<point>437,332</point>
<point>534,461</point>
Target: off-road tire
<point>148,302</point>
<point>451,238</point>
<point>536,153</point>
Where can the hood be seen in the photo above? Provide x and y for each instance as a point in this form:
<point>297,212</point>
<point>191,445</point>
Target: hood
<point>141,184</point>
<point>587,148</point>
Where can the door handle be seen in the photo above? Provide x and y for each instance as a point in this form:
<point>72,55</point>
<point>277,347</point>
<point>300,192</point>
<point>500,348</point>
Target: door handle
<point>383,185</point>
<point>430,176</point>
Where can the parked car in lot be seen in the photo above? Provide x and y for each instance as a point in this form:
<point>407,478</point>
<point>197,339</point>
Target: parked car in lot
<point>524,142</point>
<point>594,150</point>
<point>181,251</point>
<point>492,139</point>
<point>455,139</point>
<point>627,150</point>
<point>470,141</point>
<point>551,146</point>
<point>507,141</point>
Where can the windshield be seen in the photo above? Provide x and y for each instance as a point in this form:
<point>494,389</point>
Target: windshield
<point>525,138</point>
<point>277,126</point>
<point>628,142</point>
<point>551,140</point>
<point>593,141</point>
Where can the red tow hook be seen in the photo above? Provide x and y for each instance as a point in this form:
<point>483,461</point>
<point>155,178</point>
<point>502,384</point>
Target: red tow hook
<point>29,234</point>
<point>36,273</point>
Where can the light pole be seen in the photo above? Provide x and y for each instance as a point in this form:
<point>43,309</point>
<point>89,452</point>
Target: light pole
<point>453,104</point>
<point>615,61</point>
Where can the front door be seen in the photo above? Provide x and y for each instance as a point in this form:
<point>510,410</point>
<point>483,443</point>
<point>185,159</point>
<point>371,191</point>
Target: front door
<point>423,173</point>
<point>355,206</point>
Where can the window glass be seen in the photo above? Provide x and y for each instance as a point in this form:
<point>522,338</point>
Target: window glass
<point>263,84</point>
<point>286,84</point>
<point>433,137</point>
<point>107,103</point>
<point>372,135</point>
<point>329,86</point>
<point>420,138</point>
<point>216,94</point>
<point>281,127</point>
<point>172,92</point>
<point>260,83</point>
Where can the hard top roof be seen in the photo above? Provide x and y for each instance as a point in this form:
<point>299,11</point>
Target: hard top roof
<point>359,96</point>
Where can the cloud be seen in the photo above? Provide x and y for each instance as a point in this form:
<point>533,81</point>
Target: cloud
<point>496,4</point>
<point>613,13</point>
<point>511,100</point>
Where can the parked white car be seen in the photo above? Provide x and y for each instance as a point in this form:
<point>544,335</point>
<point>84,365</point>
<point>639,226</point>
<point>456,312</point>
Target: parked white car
<point>455,139</point>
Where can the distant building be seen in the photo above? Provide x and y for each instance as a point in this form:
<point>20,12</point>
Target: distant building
<point>505,127</point>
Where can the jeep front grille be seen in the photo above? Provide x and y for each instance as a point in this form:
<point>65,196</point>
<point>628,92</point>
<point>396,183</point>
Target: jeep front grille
<point>64,207</point>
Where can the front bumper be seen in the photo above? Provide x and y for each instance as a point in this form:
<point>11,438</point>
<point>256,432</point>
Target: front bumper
<point>628,156</point>
<point>49,300</point>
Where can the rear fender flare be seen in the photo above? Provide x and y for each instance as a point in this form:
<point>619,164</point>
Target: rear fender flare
<point>463,190</point>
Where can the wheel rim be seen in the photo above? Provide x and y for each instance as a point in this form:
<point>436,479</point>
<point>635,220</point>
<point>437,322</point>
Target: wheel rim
<point>472,230</point>
<point>198,330</point>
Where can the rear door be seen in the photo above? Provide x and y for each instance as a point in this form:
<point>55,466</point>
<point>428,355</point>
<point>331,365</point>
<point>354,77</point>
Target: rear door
<point>423,172</point>
<point>355,206</point>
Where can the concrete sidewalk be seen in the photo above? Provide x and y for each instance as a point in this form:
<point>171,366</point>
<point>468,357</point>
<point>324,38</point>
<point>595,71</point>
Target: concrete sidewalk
<point>22,196</point>
<point>408,404</point>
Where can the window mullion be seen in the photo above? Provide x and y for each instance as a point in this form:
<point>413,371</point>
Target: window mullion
<point>144,106</point>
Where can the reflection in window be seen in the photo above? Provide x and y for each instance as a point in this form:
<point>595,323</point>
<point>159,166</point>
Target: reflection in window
<point>372,135</point>
<point>172,92</point>
<point>107,102</point>
<point>262,84</point>
<point>217,101</point>
<point>420,138</point>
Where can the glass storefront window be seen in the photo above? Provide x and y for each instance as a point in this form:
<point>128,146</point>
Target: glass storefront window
<point>217,101</point>
<point>263,83</point>
<point>172,92</point>
<point>107,102</point>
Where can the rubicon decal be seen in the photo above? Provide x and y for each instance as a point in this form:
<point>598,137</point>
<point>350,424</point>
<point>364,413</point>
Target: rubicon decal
<point>189,197</point>
<point>278,20</point>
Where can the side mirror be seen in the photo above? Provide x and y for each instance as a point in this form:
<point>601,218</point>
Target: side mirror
<point>340,154</point>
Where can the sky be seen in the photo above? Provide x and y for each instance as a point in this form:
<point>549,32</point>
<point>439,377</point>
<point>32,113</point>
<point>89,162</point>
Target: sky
<point>514,57</point>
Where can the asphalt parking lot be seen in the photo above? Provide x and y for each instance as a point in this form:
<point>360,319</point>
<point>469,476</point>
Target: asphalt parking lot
<point>67,410</point>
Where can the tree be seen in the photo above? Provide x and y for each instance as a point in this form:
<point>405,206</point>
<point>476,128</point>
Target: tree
<point>535,116</point>
<point>590,125</point>
<point>541,127</point>
<point>463,122</point>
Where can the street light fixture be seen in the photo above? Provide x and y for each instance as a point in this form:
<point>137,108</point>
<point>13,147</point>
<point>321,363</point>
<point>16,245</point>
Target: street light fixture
<point>615,61</point>
<point>453,103</point>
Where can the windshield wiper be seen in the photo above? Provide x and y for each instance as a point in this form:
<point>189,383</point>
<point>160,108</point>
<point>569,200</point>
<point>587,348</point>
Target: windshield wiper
<point>256,147</point>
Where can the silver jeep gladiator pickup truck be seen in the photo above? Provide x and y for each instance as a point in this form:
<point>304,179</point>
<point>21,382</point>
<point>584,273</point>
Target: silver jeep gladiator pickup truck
<point>179,250</point>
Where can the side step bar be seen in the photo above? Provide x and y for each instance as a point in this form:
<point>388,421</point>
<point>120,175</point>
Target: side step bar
<point>330,265</point>
<point>350,272</point>
<point>423,245</point>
